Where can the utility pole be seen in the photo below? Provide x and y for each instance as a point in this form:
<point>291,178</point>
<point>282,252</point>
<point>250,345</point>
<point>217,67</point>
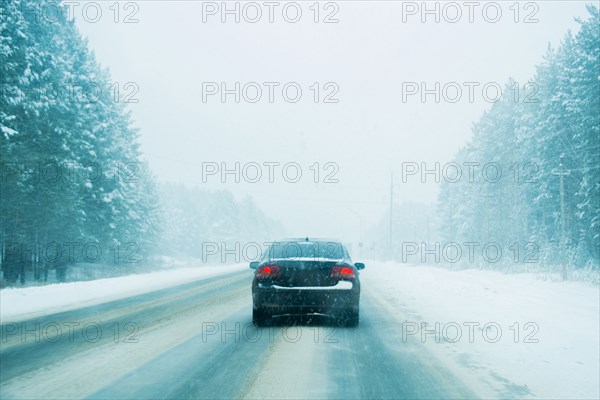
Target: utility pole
<point>360,230</point>
<point>563,230</point>
<point>391,214</point>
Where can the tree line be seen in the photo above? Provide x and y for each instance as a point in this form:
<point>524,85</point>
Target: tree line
<point>74,185</point>
<point>546,147</point>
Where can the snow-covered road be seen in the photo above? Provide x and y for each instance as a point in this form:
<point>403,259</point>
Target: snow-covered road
<point>196,340</point>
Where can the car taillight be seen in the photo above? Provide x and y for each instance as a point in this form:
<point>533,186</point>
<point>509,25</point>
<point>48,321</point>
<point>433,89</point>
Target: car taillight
<point>340,272</point>
<point>267,271</point>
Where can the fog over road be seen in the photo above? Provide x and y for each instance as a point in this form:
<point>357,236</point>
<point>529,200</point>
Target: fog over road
<point>197,341</point>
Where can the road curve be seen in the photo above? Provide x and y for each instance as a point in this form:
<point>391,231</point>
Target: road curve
<point>196,341</point>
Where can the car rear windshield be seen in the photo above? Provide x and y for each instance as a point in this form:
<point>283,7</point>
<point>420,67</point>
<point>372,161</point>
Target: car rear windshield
<point>332,250</point>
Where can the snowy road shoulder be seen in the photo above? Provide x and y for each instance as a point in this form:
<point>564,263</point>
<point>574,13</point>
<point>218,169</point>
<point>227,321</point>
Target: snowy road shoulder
<point>18,304</point>
<point>515,335</point>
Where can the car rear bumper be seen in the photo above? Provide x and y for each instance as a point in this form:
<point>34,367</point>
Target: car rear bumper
<point>305,300</point>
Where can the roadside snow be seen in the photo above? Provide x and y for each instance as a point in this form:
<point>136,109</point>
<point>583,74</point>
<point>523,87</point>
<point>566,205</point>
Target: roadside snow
<point>508,336</point>
<point>18,304</point>
<point>553,352</point>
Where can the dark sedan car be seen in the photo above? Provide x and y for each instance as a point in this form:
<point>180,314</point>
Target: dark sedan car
<point>306,276</point>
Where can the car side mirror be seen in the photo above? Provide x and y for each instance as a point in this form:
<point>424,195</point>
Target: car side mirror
<point>359,266</point>
<point>254,264</point>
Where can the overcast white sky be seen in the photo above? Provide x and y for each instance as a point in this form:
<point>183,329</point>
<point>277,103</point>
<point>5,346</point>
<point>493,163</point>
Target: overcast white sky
<point>170,52</point>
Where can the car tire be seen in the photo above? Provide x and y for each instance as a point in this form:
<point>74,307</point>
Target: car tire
<point>350,318</point>
<point>259,317</point>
